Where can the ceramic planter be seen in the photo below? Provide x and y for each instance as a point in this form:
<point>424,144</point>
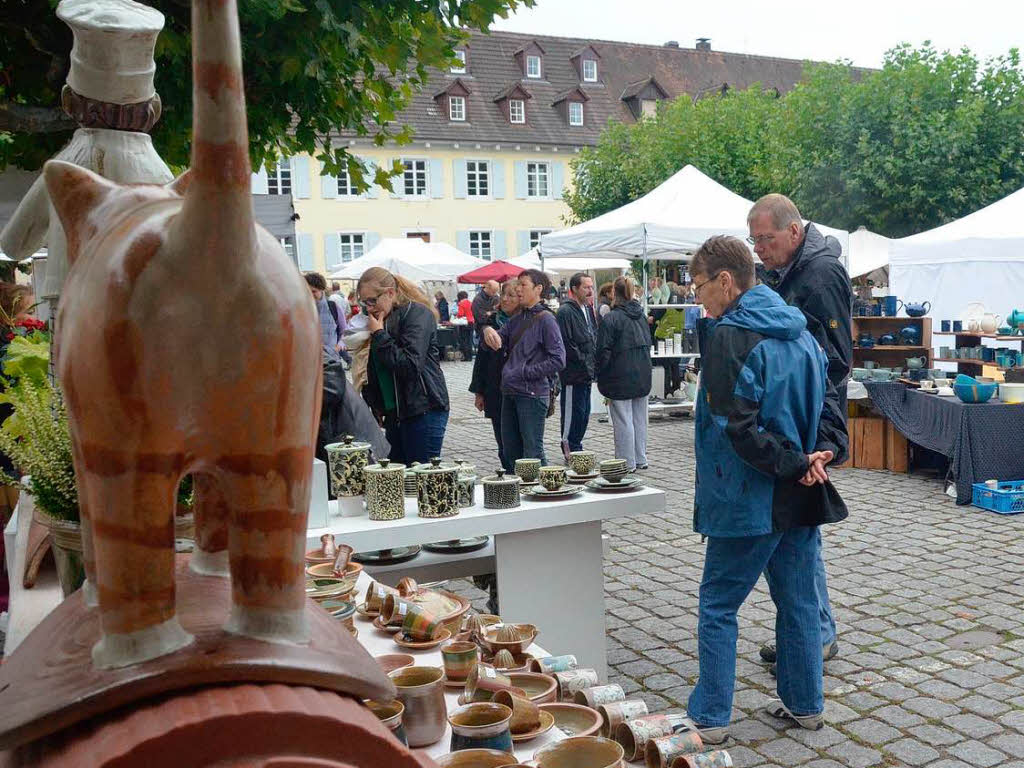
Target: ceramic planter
<point>663,751</point>
<point>619,712</point>
<point>633,735</point>
<point>68,552</point>
<point>385,499</point>
<point>600,694</point>
<point>346,461</point>
<point>719,758</point>
<point>574,680</point>
<point>551,664</point>
<point>501,492</point>
<point>421,691</point>
<point>437,490</point>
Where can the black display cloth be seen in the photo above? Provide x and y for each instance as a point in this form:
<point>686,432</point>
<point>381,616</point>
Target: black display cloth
<point>982,440</point>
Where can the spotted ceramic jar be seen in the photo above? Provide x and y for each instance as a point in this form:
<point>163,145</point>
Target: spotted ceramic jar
<point>410,479</point>
<point>346,461</point>
<point>501,492</point>
<point>385,499</point>
<point>466,491</point>
<point>437,490</point>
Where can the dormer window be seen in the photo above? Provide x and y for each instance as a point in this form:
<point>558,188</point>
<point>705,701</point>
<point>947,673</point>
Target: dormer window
<point>457,108</point>
<point>533,66</point>
<point>516,111</point>
<point>512,103</point>
<point>459,67</point>
<point>584,61</point>
<point>528,57</point>
<point>643,97</point>
<point>453,101</point>
<point>575,113</point>
<point>589,71</point>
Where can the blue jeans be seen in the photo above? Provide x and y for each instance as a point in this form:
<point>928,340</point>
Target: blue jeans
<point>825,618</point>
<point>417,439</point>
<point>732,567</point>
<point>574,423</point>
<point>522,427</point>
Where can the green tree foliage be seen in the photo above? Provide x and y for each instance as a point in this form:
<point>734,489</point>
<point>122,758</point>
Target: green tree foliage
<point>927,139</point>
<point>311,67</point>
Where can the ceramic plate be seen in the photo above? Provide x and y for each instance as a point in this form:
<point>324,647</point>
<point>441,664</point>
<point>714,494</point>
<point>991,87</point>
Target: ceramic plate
<point>547,720</point>
<point>455,546</point>
<point>387,556</point>
<point>425,644</point>
<point>574,719</point>
<point>378,624</point>
<point>562,493</point>
<point>627,480</point>
<point>574,476</point>
<point>361,610</point>
<point>614,487</point>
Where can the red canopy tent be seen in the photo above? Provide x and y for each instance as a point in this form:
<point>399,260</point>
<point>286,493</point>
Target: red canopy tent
<point>495,270</point>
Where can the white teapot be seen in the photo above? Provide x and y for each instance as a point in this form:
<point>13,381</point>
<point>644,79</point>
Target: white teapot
<point>990,322</point>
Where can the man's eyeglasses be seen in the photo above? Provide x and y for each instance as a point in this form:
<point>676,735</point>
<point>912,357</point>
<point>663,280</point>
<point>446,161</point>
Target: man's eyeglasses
<point>760,239</point>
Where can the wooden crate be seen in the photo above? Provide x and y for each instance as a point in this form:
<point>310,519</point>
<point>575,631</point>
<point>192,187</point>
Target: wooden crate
<point>896,452</point>
<point>868,443</point>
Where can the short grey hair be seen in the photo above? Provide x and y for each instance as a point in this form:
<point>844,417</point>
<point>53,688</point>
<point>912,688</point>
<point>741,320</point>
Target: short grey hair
<point>780,208</point>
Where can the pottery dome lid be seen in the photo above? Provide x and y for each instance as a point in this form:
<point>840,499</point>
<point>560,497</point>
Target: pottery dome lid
<point>500,478</point>
<point>384,467</point>
<point>435,467</point>
<point>112,54</point>
<point>349,444</point>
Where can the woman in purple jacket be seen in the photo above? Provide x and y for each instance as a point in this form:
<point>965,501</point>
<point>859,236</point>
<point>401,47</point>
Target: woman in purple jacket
<point>534,355</point>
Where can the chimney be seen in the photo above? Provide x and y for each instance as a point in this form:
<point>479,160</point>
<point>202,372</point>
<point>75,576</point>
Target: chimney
<point>703,43</point>
<point>672,44</point>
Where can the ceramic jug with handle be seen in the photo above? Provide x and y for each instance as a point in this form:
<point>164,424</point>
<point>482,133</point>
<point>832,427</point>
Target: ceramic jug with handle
<point>916,363</point>
<point>1015,319</point>
<point>989,322</point>
<point>918,310</point>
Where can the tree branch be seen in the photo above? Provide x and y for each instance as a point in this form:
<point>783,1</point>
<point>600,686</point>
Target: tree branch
<point>18,118</point>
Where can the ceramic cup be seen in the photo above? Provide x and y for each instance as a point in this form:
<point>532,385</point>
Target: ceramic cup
<point>580,751</point>
<point>582,462</point>
<point>553,477</point>
<point>376,594</point>
<point>946,325</point>
<point>395,609</point>
<point>718,758</point>
<point>525,713</point>
<point>633,735</point>
<point>482,725</point>
<point>551,664</point>
<point>484,681</point>
<point>662,751</point>
<point>390,714</point>
<point>927,384</point>
<point>619,712</point>
<point>459,658</point>
<point>528,469</point>
<point>420,626</point>
<point>601,694</point>
<point>573,680</point>
<point>421,691</point>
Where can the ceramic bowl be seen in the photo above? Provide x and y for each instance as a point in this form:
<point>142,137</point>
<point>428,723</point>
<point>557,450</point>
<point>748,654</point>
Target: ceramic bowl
<point>489,638</point>
<point>581,752</point>
<point>971,391</point>
<point>392,661</point>
<point>326,570</point>
<point>326,588</point>
<point>574,720</point>
<point>474,758</point>
<point>540,688</point>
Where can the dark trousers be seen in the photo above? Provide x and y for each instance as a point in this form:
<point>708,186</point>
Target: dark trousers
<point>466,333</point>
<point>508,466</point>
<point>417,439</point>
<point>575,410</point>
<point>522,427</point>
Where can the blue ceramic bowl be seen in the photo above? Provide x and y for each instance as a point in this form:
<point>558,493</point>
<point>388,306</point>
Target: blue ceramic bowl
<point>976,392</point>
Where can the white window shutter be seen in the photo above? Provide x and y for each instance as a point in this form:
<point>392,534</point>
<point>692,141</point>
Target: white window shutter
<point>300,177</point>
<point>304,246</point>
<point>523,241</point>
<point>460,178</point>
<point>498,248</point>
<point>557,179</point>
<point>332,251</point>
<point>497,179</point>
<point>259,182</point>
<point>462,240</point>
<point>329,187</point>
<point>373,191</point>
<point>370,240</point>
<point>520,179</point>
<point>436,178</point>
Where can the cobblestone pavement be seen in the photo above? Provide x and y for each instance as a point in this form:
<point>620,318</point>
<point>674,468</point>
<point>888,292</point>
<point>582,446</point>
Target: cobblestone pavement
<point>928,597</point>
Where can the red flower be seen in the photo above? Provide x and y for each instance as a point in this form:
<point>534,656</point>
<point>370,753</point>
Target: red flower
<point>31,324</point>
<point>8,335</point>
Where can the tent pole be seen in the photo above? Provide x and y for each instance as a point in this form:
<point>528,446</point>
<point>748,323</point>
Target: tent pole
<point>540,255</point>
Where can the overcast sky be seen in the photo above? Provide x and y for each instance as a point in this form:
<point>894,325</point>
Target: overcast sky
<point>822,30</point>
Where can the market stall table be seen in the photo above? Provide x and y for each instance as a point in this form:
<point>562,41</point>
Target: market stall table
<point>548,557</point>
<point>982,440</point>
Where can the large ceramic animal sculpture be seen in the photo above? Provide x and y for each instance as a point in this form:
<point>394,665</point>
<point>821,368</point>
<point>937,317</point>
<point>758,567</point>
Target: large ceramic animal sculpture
<point>190,344</point>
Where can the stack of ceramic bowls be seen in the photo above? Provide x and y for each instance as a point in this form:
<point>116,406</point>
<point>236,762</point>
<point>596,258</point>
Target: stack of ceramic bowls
<point>613,470</point>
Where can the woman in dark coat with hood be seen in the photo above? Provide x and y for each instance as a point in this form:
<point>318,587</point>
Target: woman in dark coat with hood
<point>624,372</point>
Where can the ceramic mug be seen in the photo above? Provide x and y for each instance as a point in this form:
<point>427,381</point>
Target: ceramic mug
<point>421,691</point>
<point>484,681</point>
<point>718,758</point>
<point>459,659</point>
<point>528,469</point>
<point>376,594</point>
<point>482,725</point>
<point>421,626</point>
<point>553,477</point>
<point>633,735</point>
<point>617,712</point>
<point>525,713</point>
<point>551,664</point>
<point>395,609</point>
<point>390,715</point>
<point>958,325</point>
<point>601,694</point>
<point>662,751</point>
<point>946,326</point>
<point>573,680</point>
<point>582,462</point>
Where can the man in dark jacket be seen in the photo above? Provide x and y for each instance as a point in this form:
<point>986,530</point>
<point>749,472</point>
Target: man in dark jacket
<point>764,434</point>
<point>804,268</point>
<point>578,325</point>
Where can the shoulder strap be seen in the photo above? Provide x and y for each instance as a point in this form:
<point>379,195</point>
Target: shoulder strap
<point>526,326</point>
<point>333,307</point>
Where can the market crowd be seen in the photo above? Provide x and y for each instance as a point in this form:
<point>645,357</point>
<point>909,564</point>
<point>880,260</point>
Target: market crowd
<point>775,349</point>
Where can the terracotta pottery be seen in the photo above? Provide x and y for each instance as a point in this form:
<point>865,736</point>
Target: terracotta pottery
<point>528,469</point>
<point>618,712</point>
<point>342,559</point>
<point>718,758</point>
<point>481,725</point>
<point>476,623</point>
<point>501,492</point>
<point>662,751</point>
<point>515,638</point>
<point>420,626</point>
<point>506,662</point>
<point>580,752</point>
<point>600,694</point>
<point>394,610</point>
<point>390,715</point>
<point>326,571</point>
<point>473,758</point>
<point>385,498</point>
<point>573,680</point>
<point>551,664</point>
<point>484,681</point>
<point>525,713</point>
<point>346,461</point>
<point>421,690</point>
<point>376,593</point>
<point>633,735</point>
<point>407,586</point>
<point>539,687</point>
<point>448,607</point>
<point>459,658</point>
<point>392,661</point>
<point>582,462</point>
<point>573,719</point>
<point>437,490</point>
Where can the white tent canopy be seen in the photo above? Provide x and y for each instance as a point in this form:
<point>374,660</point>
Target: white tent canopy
<point>531,260</point>
<point>674,218</point>
<point>412,258</point>
<point>869,253</point>
<point>979,258</point>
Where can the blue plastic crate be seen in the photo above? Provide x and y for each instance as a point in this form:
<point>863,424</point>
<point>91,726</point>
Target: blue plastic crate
<point>1007,499</point>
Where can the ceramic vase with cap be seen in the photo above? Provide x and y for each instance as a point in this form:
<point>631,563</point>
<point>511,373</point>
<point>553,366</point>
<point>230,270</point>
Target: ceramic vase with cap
<point>437,490</point>
<point>385,498</point>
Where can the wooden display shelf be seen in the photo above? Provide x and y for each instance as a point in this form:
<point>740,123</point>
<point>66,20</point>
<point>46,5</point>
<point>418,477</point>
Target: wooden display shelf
<point>887,347</point>
<point>974,335</point>
<point>876,318</point>
<point>983,363</point>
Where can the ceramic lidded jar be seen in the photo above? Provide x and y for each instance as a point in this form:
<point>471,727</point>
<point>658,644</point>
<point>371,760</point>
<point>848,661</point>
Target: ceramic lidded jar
<point>437,490</point>
<point>385,499</point>
<point>346,461</point>
<point>501,492</point>
<point>466,491</point>
<point>410,479</point>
